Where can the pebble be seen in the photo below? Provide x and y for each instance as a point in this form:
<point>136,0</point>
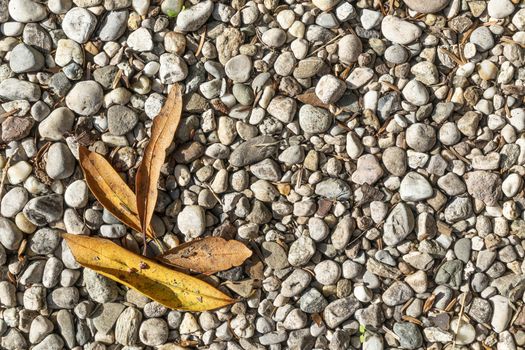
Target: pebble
<point>13,202</point>
<point>325,5</point>
<point>274,37</point>
<point>14,89</point>
<point>314,119</point>
<point>409,335</point>
<point>191,19</point>
<point>420,137</point>
<point>121,120</point>
<point>44,209</point>
<point>78,24</point>
<point>396,54</point>
<point>99,288</point>
<point>340,310</point>
<point>153,332</point>
<point>482,38</point>
<point>191,221</point>
<point>253,151</point>
<point>415,187</point>
<point>239,68</point>
<point>63,164</point>
<point>85,98</point>
<point>500,8</point>
<point>349,49</point>
<point>301,251</point>
<point>127,326</point>
<point>427,7</point>
<point>10,235</point>
<point>56,124</point>
<point>329,89</point>
<point>76,195</point>
<point>172,69</point>
<point>25,59</point>
<point>416,93</point>
<point>26,11</point>
<point>140,40</point>
<point>398,224</point>
<point>399,31</point>
<point>368,170</point>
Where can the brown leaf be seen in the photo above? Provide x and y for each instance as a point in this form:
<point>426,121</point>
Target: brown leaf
<point>162,132</point>
<point>244,288</point>
<point>109,189</point>
<point>207,255</point>
<point>171,288</point>
<point>429,303</point>
<point>310,98</point>
<point>283,188</point>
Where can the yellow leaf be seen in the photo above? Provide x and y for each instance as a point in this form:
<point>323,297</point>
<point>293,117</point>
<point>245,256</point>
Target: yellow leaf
<point>207,255</point>
<point>110,190</point>
<point>162,132</point>
<point>171,288</point>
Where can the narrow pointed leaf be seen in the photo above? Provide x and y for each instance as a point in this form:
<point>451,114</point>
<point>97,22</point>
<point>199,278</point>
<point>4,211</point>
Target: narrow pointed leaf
<point>208,255</point>
<point>162,132</point>
<point>171,288</point>
<point>109,189</point>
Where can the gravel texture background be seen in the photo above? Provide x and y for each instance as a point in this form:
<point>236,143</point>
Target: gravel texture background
<point>370,152</point>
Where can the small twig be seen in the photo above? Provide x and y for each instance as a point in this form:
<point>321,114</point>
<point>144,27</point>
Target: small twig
<point>459,319</point>
<point>325,45</point>
<point>10,113</point>
<point>4,175</point>
<point>201,41</point>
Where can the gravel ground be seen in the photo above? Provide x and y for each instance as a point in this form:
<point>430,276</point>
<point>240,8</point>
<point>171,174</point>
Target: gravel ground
<point>370,153</point>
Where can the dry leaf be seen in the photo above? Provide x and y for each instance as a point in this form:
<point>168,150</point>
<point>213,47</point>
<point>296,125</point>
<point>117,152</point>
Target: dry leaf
<point>109,189</point>
<point>283,188</point>
<point>171,288</point>
<point>244,288</point>
<point>429,303</point>
<point>162,132</point>
<point>317,319</point>
<point>207,255</point>
<point>310,98</point>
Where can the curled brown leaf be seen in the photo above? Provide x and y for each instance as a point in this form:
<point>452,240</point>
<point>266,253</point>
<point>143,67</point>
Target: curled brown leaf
<point>207,255</point>
<point>162,132</point>
<point>109,189</point>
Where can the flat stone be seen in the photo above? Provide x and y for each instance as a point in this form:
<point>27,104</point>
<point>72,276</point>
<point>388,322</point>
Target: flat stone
<point>399,31</point>
<point>14,89</point>
<point>415,187</point>
<point>26,11</point>
<point>194,17</point>
<point>78,24</point>
<point>253,151</point>
<point>398,225</point>
<point>85,98</point>
<point>25,59</point>
<point>334,189</point>
<point>314,119</point>
<point>340,310</point>
<point>426,6</point>
<point>368,170</point>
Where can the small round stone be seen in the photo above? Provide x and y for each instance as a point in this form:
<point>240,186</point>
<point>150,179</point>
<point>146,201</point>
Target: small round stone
<point>153,332</point>
<point>76,195</point>
<point>421,137</point>
<point>78,24</point>
<point>327,272</point>
<point>349,49</point>
<point>426,6</point>
<point>274,37</point>
<point>239,68</point>
<point>85,98</point>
